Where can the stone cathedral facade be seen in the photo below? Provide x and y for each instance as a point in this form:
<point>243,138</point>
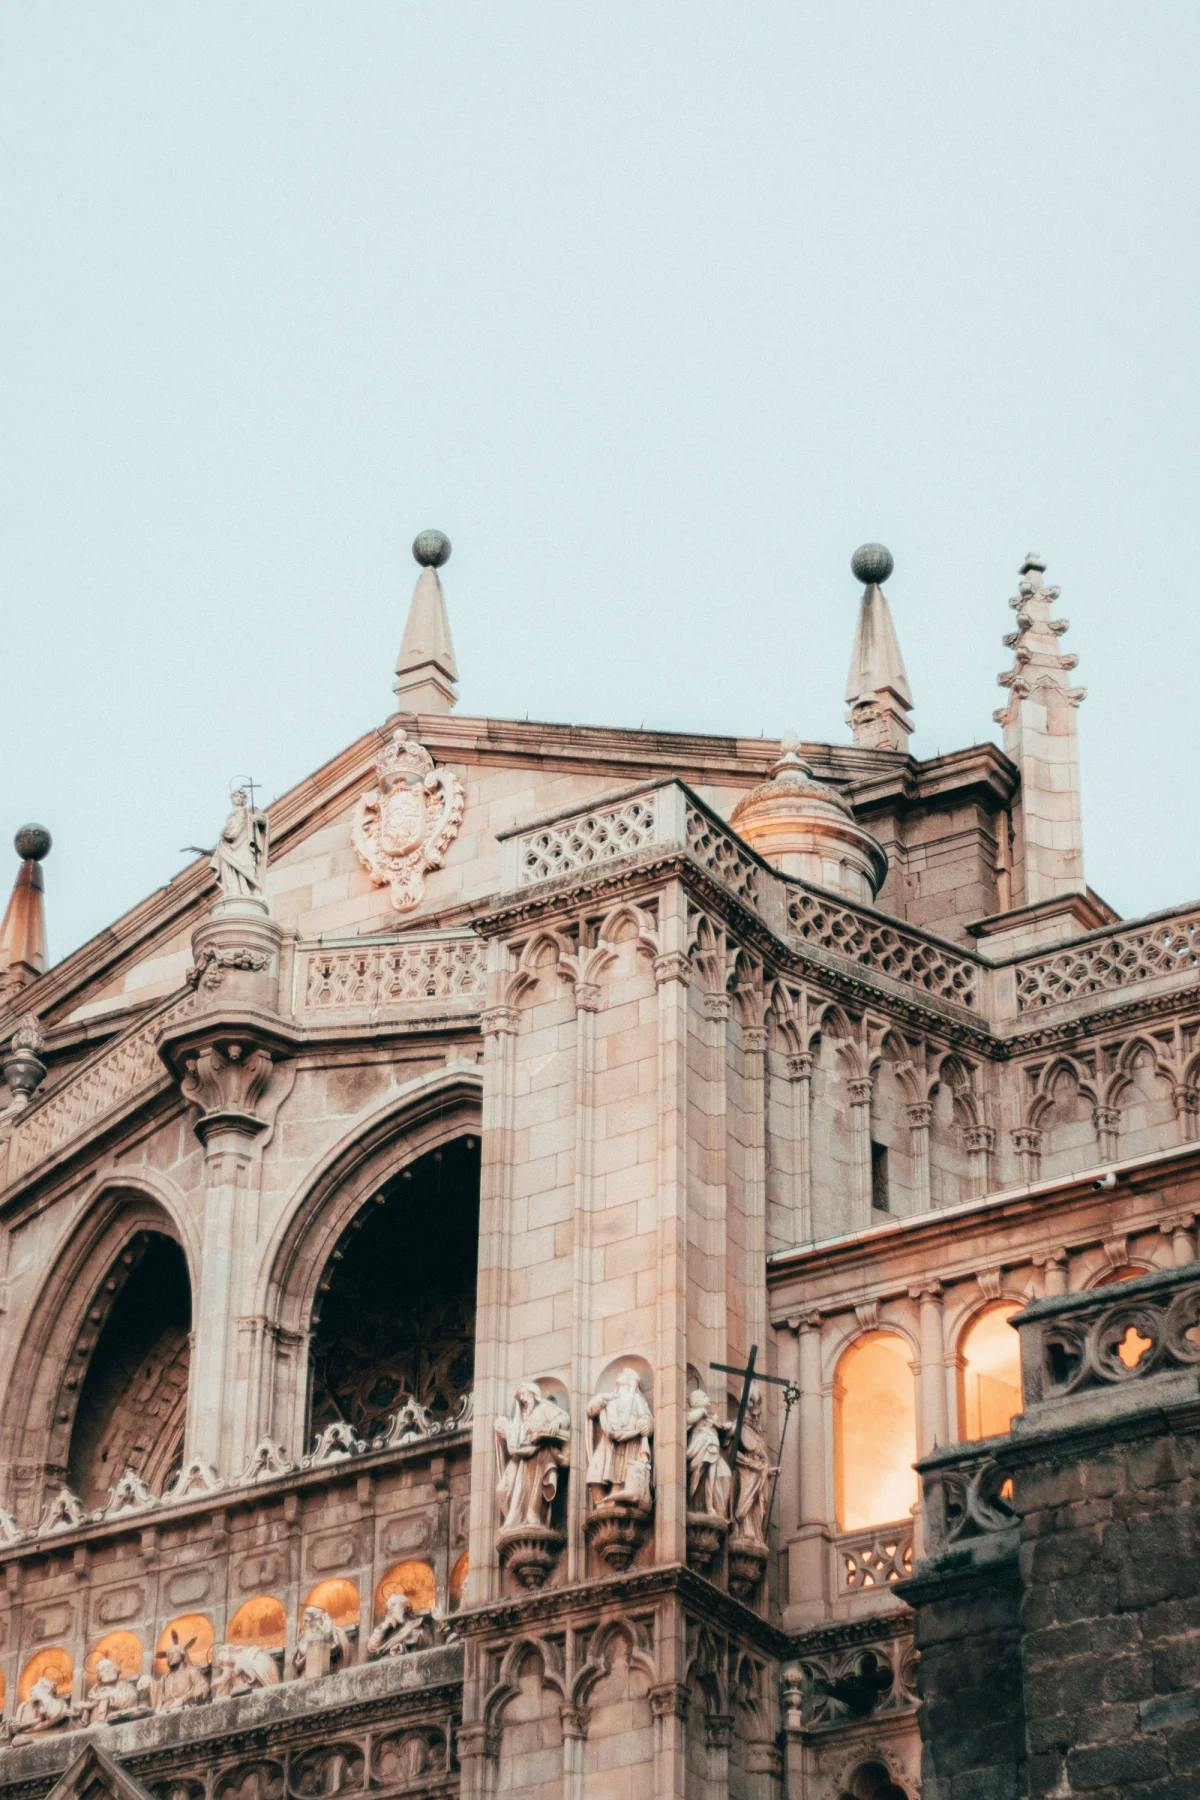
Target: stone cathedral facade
<point>390,1203</point>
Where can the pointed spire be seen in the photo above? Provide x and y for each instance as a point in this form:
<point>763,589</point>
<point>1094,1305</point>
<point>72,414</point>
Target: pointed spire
<point>426,672</point>
<point>877,688</point>
<point>1041,735</point>
<point>23,932</point>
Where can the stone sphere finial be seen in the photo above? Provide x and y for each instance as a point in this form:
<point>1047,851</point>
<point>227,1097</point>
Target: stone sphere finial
<point>872,564</point>
<point>431,549</point>
<point>32,843</point>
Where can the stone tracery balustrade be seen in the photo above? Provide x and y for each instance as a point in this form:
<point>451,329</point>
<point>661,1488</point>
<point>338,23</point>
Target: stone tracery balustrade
<point>967,1495</point>
<point>1108,961</point>
<point>873,1559</point>
<point>1111,1337</point>
<point>602,834</point>
<point>892,950</point>
<point>410,972</point>
<point>127,1068</point>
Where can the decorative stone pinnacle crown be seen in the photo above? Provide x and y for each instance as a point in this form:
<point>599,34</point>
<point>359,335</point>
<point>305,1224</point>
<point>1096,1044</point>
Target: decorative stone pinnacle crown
<point>872,564</point>
<point>32,843</point>
<point>431,549</point>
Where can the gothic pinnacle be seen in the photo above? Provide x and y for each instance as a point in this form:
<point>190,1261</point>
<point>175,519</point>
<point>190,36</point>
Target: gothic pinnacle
<point>23,932</point>
<point>877,689</point>
<point>426,672</point>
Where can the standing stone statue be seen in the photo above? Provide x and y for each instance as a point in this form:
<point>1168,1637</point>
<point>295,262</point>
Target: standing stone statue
<point>710,1480</point>
<point>531,1447</point>
<point>240,859</point>
<point>113,1696</point>
<point>619,1468</point>
<point>241,1669</point>
<point>321,1644</point>
<point>754,1471</point>
<point>183,1684</point>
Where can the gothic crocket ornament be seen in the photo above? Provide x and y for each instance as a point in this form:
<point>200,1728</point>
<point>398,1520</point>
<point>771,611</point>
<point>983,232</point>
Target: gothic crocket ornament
<point>404,827</point>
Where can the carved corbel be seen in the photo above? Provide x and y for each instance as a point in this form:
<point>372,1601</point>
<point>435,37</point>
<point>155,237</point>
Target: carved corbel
<point>237,1085</point>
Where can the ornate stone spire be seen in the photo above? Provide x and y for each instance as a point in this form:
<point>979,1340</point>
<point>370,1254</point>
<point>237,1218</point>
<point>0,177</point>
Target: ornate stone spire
<point>803,827</point>
<point>426,672</point>
<point>1041,736</point>
<point>877,688</point>
<point>23,933</point>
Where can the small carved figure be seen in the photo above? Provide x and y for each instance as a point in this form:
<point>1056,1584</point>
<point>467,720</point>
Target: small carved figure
<point>710,1480</point>
<point>184,1684</point>
<point>240,859</point>
<point>113,1696</point>
<point>619,1468</point>
<point>754,1471</point>
<point>400,1630</point>
<point>531,1448</point>
<point>242,1668</point>
<point>45,1710</point>
<point>321,1644</point>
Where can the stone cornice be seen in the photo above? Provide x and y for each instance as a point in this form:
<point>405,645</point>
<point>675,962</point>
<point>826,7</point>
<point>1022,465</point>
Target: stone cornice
<point>849,1634</point>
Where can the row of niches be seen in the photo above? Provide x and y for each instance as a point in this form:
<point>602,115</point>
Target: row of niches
<point>729,1478</point>
<point>188,1667</point>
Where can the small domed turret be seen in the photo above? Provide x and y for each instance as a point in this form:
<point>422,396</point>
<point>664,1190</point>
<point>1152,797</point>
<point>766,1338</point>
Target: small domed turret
<point>803,827</point>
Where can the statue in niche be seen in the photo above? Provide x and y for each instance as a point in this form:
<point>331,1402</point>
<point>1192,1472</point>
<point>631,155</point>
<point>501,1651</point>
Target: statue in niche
<point>400,1630</point>
<point>531,1448</point>
<point>321,1646</point>
<point>710,1480</point>
<point>184,1684</point>
<point>113,1696</point>
<point>242,1669</point>
<point>754,1471</point>
<point>239,861</point>
<point>618,1472</point>
<point>45,1710</point>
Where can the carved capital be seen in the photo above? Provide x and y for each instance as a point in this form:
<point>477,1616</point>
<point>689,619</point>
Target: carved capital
<point>859,1087</point>
<point>574,1721</point>
<point>588,996</point>
<point>1187,1099</point>
<point>920,1115</point>
<point>477,1740</point>
<point>671,965</point>
<point>669,1700</point>
<point>497,1021</point>
<point>980,1138</point>
<point>926,1291</point>
<point>800,1067</point>
<point>1027,1139</point>
<point>717,1007</point>
<point>804,1321</point>
<point>718,1730</point>
<point>754,1039</point>
<point>1106,1118</point>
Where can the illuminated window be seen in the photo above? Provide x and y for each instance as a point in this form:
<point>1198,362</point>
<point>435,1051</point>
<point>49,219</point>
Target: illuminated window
<point>259,1621</point>
<point>412,1578</point>
<point>991,1373</point>
<point>339,1598</point>
<point>875,1432</point>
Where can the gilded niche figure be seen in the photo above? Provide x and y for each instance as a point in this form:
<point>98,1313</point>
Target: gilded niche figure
<point>400,1630</point>
<point>710,1480</point>
<point>240,859</point>
<point>754,1471</point>
<point>321,1644</point>
<point>242,1669</point>
<point>618,1471</point>
<point>113,1696</point>
<point>45,1710</point>
<point>184,1684</point>
<point>531,1448</point>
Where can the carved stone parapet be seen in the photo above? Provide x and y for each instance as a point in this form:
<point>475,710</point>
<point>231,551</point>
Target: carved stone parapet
<point>617,1532</point>
<point>706,1532</point>
<point>747,1565</point>
<point>529,1552</point>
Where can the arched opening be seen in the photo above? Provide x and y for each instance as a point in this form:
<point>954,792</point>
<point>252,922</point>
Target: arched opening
<point>132,1400</point>
<point>991,1372</point>
<point>872,1781</point>
<point>395,1312</point>
<point>1128,1272</point>
<point>875,1432</point>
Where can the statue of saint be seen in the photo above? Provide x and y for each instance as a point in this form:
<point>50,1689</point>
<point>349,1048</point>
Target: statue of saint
<point>531,1448</point>
<point>321,1644</point>
<point>183,1684</point>
<point>619,1467</point>
<point>754,1471</point>
<point>400,1630</point>
<point>45,1710</point>
<point>240,859</point>
<point>113,1696</point>
<point>241,1669</point>
<point>709,1478</point>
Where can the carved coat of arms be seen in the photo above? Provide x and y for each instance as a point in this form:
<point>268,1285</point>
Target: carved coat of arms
<point>407,823</point>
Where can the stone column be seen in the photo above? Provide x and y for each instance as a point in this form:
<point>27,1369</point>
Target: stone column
<point>933,1424</point>
<point>1179,1231</point>
<point>1187,1111</point>
<point>980,1141</point>
<point>588,998</point>
<point>672,978</point>
<point>799,1074</point>
<point>859,1087</point>
<point>1107,1120</point>
<point>1027,1141</point>
<point>1054,1271</point>
<point>808,1527</point>
<point>920,1117</point>
<point>753,1051</point>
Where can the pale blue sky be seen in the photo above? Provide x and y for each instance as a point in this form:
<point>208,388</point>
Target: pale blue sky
<point>658,309</point>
